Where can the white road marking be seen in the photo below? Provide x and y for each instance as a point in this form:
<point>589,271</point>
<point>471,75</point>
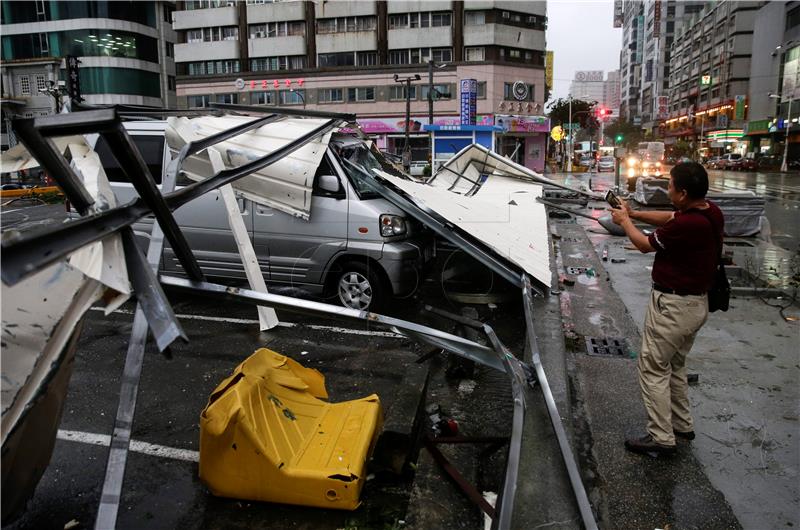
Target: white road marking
<point>247,321</point>
<point>136,446</point>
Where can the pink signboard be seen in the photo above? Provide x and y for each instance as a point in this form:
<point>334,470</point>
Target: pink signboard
<point>523,123</point>
<point>416,123</point>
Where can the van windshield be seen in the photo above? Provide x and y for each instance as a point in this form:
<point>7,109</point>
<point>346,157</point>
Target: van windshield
<point>358,162</point>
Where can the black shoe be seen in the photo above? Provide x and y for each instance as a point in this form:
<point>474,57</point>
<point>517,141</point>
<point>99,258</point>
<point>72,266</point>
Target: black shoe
<point>688,435</point>
<point>646,446</point>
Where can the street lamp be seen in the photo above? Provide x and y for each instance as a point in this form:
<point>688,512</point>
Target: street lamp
<point>571,139</point>
<point>787,125</point>
<point>299,93</point>
<point>407,148</point>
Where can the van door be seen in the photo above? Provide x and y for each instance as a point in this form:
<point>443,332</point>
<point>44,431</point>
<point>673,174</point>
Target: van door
<point>204,223</point>
<point>299,250</point>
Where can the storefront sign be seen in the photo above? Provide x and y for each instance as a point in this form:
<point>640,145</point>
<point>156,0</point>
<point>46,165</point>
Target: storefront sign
<point>757,127</point>
<point>469,101</point>
<point>722,121</point>
<point>662,105</point>
<point>264,84</point>
<point>548,70</point>
<point>739,107</point>
<point>657,20</point>
<point>725,136</point>
<point>73,78</point>
<point>416,124</point>
<point>619,16</point>
<point>705,80</point>
<point>640,40</point>
<point>522,123</point>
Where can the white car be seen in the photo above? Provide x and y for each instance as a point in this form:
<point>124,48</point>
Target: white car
<point>606,163</point>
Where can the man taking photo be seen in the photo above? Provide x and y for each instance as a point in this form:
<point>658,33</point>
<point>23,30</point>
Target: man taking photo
<point>688,244</point>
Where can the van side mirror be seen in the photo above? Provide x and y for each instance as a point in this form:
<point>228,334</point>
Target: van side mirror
<point>328,183</point>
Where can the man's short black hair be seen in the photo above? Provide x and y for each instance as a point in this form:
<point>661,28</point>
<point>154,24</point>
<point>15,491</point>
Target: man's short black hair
<point>690,177</point>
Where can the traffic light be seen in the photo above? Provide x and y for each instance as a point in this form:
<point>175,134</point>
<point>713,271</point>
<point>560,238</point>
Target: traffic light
<point>618,139</point>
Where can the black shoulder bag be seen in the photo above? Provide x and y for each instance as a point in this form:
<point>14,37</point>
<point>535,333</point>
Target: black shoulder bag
<point>719,295</point>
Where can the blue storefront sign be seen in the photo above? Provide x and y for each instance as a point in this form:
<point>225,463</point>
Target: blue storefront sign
<point>469,101</point>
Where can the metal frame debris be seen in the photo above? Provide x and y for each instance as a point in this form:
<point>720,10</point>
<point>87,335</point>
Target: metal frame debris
<point>33,252</point>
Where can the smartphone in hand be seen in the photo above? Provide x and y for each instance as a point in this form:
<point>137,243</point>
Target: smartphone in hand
<point>613,200</point>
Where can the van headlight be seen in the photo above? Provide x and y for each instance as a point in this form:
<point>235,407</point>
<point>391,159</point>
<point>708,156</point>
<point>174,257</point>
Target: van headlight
<point>631,161</point>
<point>631,172</point>
<point>392,225</point>
<point>658,164</point>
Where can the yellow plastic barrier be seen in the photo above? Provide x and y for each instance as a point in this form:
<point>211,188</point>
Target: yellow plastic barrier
<point>265,435</point>
<point>29,192</point>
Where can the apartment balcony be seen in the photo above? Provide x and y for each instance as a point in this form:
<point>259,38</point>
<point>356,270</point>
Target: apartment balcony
<point>205,18</point>
<point>277,46</point>
<point>355,41</point>
<point>420,38</point>
<point>277,12</point>
<point>206,51</point>
<point>418,5</point>
<point>499,35</point>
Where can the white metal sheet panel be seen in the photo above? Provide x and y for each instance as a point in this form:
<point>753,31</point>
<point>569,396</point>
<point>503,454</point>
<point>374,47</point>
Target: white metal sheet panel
<point>285,185</point>
<point>503,214</point>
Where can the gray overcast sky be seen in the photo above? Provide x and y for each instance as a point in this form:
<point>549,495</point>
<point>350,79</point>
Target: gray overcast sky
<point>582,37</point>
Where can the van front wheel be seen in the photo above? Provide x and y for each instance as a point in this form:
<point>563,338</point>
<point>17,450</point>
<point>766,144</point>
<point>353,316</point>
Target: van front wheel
<point>360,287</point>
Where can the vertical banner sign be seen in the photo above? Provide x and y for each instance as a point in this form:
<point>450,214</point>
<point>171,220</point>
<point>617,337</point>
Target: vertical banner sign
<point>73,81</point>
<point>618,14</point>
<point>657,19</point>
<point>739,107</point>
<point>639,39</point>
<point>663,107</point>
<point>548,70</point>
<point>469,101</point>
<point>790,71</point>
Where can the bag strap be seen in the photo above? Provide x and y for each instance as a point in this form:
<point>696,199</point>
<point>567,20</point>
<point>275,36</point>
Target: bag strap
<point>714,231</point>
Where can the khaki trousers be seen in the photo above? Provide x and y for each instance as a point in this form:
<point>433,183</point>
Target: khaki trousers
<point>671,324</point>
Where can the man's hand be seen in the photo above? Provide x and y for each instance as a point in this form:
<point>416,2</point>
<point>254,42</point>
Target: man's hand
<point>621,215</point>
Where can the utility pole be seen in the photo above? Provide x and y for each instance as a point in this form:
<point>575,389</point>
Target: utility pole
<point>407,147</point>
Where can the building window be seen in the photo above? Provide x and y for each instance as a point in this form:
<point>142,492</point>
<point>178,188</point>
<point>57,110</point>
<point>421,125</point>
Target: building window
<point>336,59</point>
<point>230,33</point>
<point>41,82</point>
<point>292,97</point>
<point>266,97</point>
<point>398,21</point>
<point>440,19</point>
<point>326,25</point>
<point>171,83</point>
<point>227,98</point>
<point>481,89</point>
<point>197,101</point>
<point>475,54</point>
<point>474,18</point>
<point>330,95</point>
<point>24,85</point>
<point>793,18</point>
<point>346,24</point>
<point>419,20</point>
<point>230,66</point>
<point>194,35</point>
<point>361,94</point>
<point>442,55</point>
<point>398,57</point>
<point>169,49</point>
<point>367,58</point>
<point>398,92</point>
<point>439,92</point>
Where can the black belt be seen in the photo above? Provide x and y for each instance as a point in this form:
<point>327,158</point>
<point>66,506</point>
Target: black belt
<point>667,290</point>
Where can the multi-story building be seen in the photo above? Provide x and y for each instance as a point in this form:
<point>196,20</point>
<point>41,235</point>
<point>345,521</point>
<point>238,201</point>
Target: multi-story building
<point>125,51</point>
<point>588,85</point>
<point>343,56</point>
<point>775,80</point>
<point>611,96</point>
<point>648,33</point>
<point>709,76</point>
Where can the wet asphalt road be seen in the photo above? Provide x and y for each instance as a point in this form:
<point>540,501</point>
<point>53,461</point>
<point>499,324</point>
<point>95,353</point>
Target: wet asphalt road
<point>781,192</point>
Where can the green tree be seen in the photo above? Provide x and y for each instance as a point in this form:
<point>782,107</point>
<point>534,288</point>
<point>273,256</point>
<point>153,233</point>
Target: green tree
<point>582,113</point>
<point>631,134</point>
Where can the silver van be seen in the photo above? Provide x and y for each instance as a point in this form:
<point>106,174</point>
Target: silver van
<point>357,249</point>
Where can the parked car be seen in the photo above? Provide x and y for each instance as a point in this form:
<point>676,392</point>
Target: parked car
<point>587,161</point>
<point>770,163</point>
<point>712,162</point>
<point>357,248</point>
<point>729,161</point>
<point>748,164</point>
<point>606,163</point>
<point>11,186</point>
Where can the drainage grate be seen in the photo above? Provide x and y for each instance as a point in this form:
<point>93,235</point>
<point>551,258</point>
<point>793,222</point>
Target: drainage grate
<point>576,270</point>
<point>738,244</point>
<point>607,346</point>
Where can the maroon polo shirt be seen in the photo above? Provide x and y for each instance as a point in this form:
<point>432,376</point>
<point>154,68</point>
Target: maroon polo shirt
<point>688,249</point>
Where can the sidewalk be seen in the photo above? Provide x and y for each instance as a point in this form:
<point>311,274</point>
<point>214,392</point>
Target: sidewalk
<point>742,469</point>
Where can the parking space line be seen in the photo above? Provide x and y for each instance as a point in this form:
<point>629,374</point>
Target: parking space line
<point>136,445</point>
<point>319,327</point>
